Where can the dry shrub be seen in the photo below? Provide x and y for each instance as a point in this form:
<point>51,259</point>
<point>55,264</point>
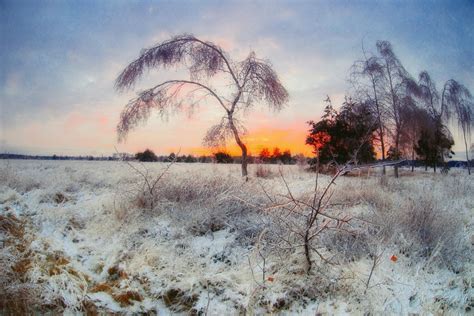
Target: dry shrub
<point>56,198</point>
<point>264,171</point>
<point>349,247</point>
<point>432,230</point>
<point>17,295</point>
<point>206,205</point>
<point>179,301</point>
<point>417,221</point>
<point>302,162</point>
<point>198,203</point>
<point>413,215</point>
<point>12,179</point>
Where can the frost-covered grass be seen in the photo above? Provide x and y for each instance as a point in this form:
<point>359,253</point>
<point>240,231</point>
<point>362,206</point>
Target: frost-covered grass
<point>81,236</point>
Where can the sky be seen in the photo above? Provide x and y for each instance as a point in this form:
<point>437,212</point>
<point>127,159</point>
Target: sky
<point>59,60</point>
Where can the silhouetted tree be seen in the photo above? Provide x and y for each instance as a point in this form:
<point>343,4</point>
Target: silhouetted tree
<point>146,156</point>
<point>338,135</point>
<point>190,159</point>
<point>204,159</point>
<point>264,155</point>
<point>172,157</point>
<point>223,157</point>
<point>434,144</point>
<point>252,80</point>
<point>286,158</point>
<point>276,155</point>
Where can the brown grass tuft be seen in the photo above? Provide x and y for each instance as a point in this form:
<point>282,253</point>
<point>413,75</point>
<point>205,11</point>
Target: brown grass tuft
<point>22,266</point>
<point>116,273</point>
<point>127,298</point>
<point>101,287</point>
<point>178,301</point>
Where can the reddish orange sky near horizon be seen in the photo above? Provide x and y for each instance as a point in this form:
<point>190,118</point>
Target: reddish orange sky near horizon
<point>256,140</point>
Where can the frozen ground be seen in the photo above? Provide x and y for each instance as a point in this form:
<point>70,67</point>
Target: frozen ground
<point>86,236</point>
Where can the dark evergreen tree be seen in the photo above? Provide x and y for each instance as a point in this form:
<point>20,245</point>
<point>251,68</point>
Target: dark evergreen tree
<point>223,157</point>
<point>340,135</point>
<point>146,156</point>
<point>434,145</point>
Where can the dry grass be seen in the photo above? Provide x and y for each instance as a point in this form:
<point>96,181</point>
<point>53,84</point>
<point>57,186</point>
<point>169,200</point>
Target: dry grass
<point>202,241</point>
<point>127,298</point>
<point>264,171</point>
<point>17,295</point>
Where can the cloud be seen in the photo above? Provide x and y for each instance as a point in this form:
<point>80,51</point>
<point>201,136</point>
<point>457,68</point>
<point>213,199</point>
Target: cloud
<point>59,60</point>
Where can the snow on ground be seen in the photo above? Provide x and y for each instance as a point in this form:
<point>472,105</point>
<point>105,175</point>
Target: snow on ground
<point>77,236</point>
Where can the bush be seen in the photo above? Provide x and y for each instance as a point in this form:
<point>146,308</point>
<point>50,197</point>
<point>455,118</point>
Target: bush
<point>146,156</point>
<point>263,171</point>
<point>417,222</point>
<point>223,157</point>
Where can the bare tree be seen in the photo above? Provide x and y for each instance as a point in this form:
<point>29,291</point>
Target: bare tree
<point>381,81</point>
<point>429,94</point>
<point>302,220</point>
<point>460,104</point>
<point>367,76</point>
<point>398,90</point>
<point>251,80</point>
<point>455,102</point>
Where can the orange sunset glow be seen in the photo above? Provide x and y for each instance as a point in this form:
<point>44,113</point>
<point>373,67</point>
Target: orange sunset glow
<point>256,140</point>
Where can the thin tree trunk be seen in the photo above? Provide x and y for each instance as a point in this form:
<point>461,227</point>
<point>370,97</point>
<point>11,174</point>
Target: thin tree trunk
<point>307,251</point>
<point>242,147</point>
<point>383,158</point>
<point>395,167</point>
<point>379,119</point>
<point>395,113</point>
<point>413,159</point>
<point>467,155</point>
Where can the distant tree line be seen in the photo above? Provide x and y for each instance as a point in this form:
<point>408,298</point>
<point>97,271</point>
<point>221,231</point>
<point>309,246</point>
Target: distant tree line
<point>265,156</point>
<point>56,157</point>
<point>390,110</point>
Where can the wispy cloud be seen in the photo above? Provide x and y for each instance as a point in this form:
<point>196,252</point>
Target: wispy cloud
<point>58,61</point>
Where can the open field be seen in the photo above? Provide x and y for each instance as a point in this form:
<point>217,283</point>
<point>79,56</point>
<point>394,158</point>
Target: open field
<point>88,236</point>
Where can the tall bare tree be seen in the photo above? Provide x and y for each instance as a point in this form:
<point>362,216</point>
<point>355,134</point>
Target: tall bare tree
<point>367,76</point>
<point>455,102</point>
<point>398,91</point>
<point>460,106</point>
<point>435,104</point>
<point>251,80</point>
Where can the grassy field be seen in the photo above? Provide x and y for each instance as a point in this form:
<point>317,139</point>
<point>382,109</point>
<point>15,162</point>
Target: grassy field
<point>103,237</point>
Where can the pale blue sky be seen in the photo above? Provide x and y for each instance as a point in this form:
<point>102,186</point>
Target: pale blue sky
<point>59,59</point>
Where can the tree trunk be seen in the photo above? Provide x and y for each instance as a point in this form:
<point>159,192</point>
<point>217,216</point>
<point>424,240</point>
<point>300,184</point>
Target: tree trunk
<point>307,251</point>
<point>379,119</point>
<point>413,159</point>
<point>395,113</point>
<point>467,155</point>
<point>242,147</point>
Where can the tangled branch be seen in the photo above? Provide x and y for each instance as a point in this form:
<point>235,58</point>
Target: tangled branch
<point>261,82</point>
<point>202,58</point>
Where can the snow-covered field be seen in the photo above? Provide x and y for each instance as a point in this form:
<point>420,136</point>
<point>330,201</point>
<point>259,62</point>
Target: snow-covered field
<point>90,237</point>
